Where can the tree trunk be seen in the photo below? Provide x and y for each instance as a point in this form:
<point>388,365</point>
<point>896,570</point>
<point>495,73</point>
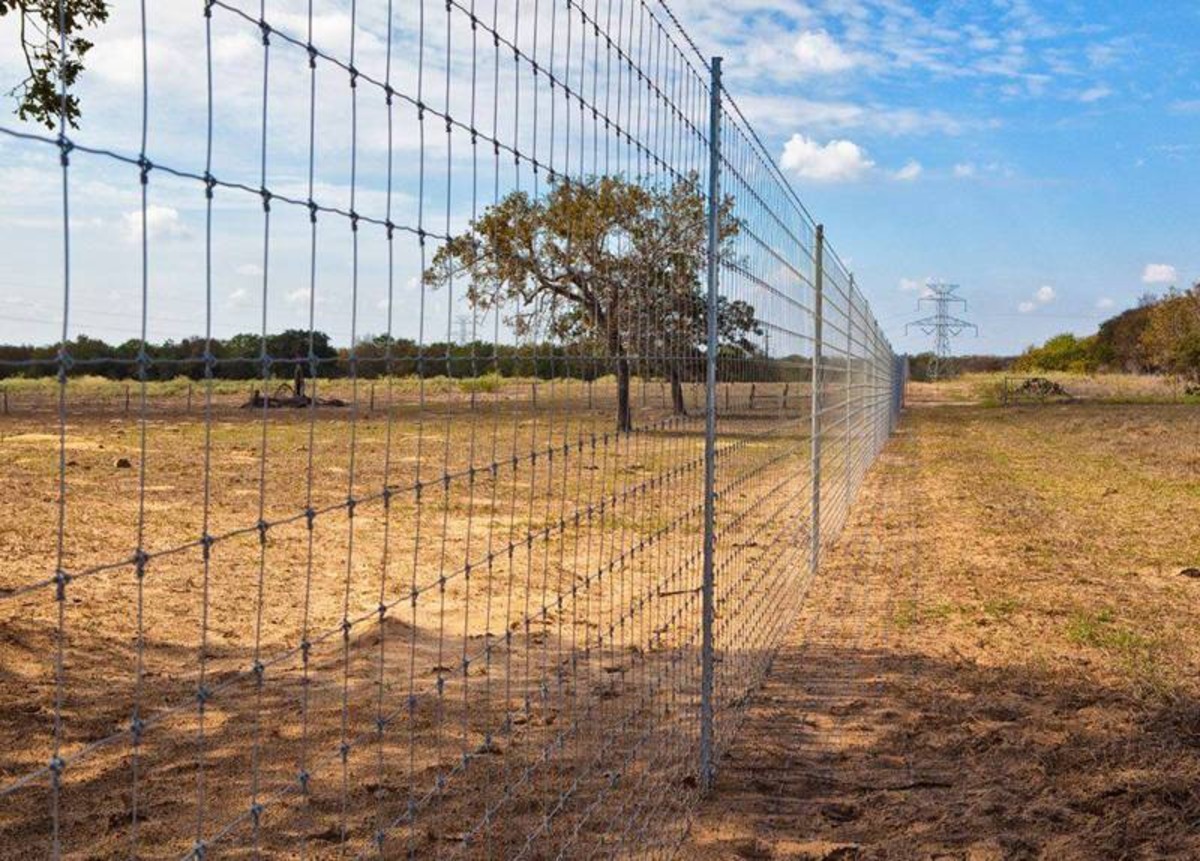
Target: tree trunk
<point>298,381</point>
<point>677,404</point>
<point>617,351</point>
<point>624,415</point>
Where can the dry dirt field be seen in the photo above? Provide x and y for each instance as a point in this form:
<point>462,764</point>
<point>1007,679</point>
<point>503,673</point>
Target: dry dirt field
<point>1000,659</point>
<point>529,687</point>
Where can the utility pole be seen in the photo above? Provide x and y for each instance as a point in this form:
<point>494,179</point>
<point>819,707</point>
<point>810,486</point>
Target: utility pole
<point>463,321</point>
<point>942,325</point>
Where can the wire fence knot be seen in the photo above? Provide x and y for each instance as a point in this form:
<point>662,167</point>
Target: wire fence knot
<point>61,579</point>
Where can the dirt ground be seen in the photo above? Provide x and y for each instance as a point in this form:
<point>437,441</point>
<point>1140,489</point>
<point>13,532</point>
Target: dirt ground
<point>528,688</point>
<point>1000,658</point>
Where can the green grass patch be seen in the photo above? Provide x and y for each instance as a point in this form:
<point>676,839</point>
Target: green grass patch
<point>481,385</point>
<point>1101,630</point>
<point>1001,608</point>
<point>906,614</point>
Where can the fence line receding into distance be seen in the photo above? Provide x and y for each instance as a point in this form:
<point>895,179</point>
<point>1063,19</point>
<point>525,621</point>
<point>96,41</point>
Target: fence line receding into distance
<point>499,578</point>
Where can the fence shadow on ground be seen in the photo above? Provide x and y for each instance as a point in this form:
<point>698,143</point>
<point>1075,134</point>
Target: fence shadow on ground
<point>595,753</point>
<point>880,753</point>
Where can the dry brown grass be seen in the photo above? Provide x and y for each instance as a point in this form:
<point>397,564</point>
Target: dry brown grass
<point>988,388</point>
<point>1000,659</point>
<point>562,658</point>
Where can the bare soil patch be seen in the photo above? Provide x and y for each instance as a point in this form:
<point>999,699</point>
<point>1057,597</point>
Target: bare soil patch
<point>496,656</point>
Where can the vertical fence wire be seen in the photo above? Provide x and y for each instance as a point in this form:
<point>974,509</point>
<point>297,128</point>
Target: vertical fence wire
<point>516,606</point>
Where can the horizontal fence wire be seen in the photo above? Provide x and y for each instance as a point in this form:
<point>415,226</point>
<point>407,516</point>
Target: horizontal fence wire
<point>438,590</point>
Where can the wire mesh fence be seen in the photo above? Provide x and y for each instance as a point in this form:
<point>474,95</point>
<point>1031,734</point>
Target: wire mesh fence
<point>497,577</point>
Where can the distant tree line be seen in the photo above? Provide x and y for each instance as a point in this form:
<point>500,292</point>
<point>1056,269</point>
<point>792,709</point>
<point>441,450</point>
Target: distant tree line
<point>920,365</point>
<point>239,358</point>
<point>1160,336</point>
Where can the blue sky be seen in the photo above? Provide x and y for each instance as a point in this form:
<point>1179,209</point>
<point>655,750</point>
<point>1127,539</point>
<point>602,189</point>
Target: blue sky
<point>1058,147</point>
<point>1045,156</point>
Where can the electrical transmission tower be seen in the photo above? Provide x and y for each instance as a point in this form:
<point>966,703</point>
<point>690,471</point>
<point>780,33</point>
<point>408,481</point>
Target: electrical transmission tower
<point>463,322</point>
<point>942,325</point>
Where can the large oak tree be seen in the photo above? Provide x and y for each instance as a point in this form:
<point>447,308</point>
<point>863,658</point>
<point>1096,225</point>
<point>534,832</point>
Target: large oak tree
<point>606,260</point>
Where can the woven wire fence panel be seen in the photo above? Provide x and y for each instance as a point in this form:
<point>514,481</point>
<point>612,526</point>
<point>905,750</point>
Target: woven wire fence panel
<point>432,586</point>
<point>803,409</point>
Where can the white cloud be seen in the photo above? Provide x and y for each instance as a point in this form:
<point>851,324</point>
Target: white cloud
<point>910,171</point>
<point>162,222</point>
<point>251,269</point>
<point>992,171</point>
<point>1175,152</point>
<point>921,288</point>
<point>299,296</point>
<point>1186,106</point>
<point>239,298</point>
<point>1044,295</point>
<point>836,161</point>
<point>816,52</point>
<point>1159,273</point>
<point>1103,55</point>
<point>781,112</point>
<point>1104,303</point>
<point>1095,94</point>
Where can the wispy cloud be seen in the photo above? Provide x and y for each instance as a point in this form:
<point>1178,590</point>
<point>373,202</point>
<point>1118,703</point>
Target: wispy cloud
<point>1102,55</point>
<point>910,172</point>
<point>913,285</point>
<point>239,298</point>
<point>299,296</point>
<point>1095,94</point>
<point>785,111</point>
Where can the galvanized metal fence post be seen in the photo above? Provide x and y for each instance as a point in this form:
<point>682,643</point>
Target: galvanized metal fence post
<point>707,764</point>
<point>815,433</point>
<point>849,381</point>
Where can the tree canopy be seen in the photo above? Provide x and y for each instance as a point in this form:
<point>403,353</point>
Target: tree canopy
<point>1161,335</point>
<point>605,261</point>
<point>51,69</point>
<point>1172,336</point>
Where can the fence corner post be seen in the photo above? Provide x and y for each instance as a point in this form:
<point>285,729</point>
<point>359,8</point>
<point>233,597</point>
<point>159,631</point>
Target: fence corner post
<point>707,587</point>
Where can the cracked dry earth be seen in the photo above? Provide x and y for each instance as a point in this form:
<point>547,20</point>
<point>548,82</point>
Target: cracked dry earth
<point>997,660</point>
